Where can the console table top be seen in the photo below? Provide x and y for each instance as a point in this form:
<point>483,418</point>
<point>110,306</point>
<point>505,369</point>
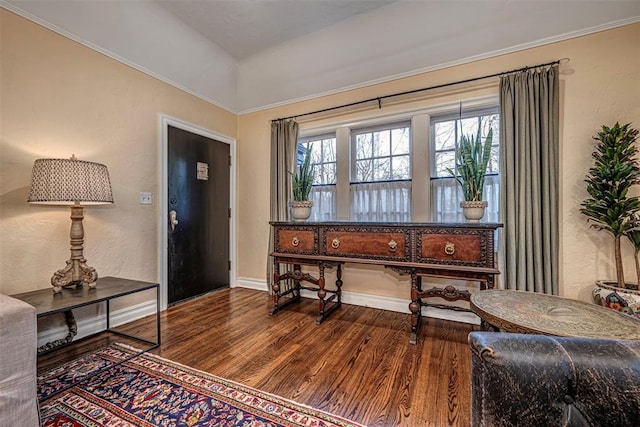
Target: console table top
<point>531,312</point>
<point>47,302</point>
<point>390,224</point>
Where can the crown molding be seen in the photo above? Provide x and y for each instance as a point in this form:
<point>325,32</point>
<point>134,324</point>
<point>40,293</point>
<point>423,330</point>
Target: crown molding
<point>463,61</point>
<point>61,31</point>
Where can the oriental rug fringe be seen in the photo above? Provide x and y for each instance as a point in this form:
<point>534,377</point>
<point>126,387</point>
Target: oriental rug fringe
<point>134,388</point>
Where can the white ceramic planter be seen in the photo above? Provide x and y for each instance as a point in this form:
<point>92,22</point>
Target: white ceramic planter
<point>626,301</point>
<point>473,211</point>
<point>300,211</point>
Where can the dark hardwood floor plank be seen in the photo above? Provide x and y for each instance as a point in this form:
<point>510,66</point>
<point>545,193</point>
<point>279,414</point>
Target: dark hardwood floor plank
<point>358,363</point>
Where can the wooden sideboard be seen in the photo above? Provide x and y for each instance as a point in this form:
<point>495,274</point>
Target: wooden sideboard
<point>456,251</point>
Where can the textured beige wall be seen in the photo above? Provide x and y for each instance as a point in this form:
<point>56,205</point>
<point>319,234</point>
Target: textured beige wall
<point>60,98</point>
<point>598,86</point>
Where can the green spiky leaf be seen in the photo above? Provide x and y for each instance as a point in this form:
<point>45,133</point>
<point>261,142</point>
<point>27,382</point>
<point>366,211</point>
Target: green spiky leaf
<point>472,159</point>
<point>302,178</point>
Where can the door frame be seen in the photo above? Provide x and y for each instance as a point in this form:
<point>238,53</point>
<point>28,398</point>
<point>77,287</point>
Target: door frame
<point>163,211</point>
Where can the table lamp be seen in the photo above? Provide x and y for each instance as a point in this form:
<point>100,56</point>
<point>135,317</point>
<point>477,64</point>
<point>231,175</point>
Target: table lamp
<point>75,183</point>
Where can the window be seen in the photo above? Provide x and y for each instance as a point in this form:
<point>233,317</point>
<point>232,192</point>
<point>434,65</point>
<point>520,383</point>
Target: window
<point>446,193</point>
<point>381,174</point>
<point>396,171</point>
<point>323,160</point>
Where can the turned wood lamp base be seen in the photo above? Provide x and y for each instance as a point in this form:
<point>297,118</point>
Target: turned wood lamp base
<point>71,182</point>
<point>76,272</point>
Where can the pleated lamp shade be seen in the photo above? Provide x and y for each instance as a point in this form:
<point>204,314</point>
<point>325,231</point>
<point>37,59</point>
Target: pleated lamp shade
<point>67,181</point>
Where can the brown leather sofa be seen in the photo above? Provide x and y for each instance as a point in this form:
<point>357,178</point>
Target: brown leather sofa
<point>537,380</point>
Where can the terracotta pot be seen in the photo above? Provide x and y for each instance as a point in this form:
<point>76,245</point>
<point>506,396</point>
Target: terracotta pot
<point>473,210</point>
<point>626,301</point>
<point>300,210</point>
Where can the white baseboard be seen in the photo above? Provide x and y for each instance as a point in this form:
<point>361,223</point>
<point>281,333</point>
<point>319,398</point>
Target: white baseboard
<point>376,301</point>
<point>259,285</point>
<point>98,322</point>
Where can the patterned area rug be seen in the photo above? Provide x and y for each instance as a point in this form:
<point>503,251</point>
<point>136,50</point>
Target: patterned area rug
<point>147,390</point>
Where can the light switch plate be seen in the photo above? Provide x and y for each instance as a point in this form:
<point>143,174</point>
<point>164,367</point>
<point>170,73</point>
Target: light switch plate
<point>146,198</point>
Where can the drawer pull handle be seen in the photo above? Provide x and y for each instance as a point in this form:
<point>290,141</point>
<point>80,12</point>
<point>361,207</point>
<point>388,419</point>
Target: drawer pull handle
<point>295,241</point>
<point>393,245</point>
<point>335,243</point>
<point>449,248</point>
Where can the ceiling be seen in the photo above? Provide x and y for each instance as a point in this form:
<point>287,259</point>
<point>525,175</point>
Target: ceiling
<point>246,55</point>
<point>243,28</point>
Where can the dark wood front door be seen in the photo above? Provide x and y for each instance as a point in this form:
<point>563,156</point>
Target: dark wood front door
<point>198,223</point>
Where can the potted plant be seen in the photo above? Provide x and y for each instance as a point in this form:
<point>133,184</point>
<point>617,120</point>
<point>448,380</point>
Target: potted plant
<point>302,180</point>
<point>472,158</point>
<point>610,207</point>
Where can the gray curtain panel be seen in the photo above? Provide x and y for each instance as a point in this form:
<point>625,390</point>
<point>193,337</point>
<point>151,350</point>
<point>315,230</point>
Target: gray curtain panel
<point>284,141</point>
<point>529,114</point>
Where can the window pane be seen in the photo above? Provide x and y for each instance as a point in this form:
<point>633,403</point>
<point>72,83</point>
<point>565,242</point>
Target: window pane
<point>381,201</point>
<point>493,160</point>
<point>495,125</point>
<point>469,126</point>
<point>318,174</point>
<point>316,152</point>
<point>324,203</point>
<point>381,143</point>
<point>323,158</point>
<point>329,173</point>
<point>329,150</point>
<point>401,167</point>
<point>445,135</point>
<point>444,160</point>
<point>400,141</point>
<point>381,169</point>
<point>445,191</point>
<point>363,170</point>
<point>364,146</point>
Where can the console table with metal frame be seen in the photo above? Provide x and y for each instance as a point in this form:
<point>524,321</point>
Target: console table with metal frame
<point>46,303</point>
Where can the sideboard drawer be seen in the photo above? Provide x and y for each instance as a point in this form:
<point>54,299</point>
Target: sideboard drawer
<point>295,241</point>
<point>375,244</point>
<point>456,248</point>
<point>450,248</point>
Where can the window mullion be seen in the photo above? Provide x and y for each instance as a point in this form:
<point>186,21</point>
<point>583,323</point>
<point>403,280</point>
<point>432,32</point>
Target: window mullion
<point>343,172</point>
<point>421,161</point>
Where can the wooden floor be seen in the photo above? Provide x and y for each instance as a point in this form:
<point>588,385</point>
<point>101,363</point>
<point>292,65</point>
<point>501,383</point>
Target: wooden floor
<point>358,363</point>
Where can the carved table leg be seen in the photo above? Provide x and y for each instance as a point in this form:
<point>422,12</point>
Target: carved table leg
<point>490,281</point>
<point>278,292</point>
<point>414,307</point>
<point>339,283</point>
<point>321,293</point>
<point>276,286</point>
<point>297,274</point>
<point>486,326</point>
<point>328,305</point>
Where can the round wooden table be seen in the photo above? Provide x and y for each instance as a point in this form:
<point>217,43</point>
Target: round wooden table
<point>535,313</point>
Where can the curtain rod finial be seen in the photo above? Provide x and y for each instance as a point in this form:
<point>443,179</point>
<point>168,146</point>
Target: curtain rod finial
<point>564,60</point>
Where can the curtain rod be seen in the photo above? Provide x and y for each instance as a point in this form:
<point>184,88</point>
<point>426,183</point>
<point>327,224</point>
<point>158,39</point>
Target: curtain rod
<point>409,92</point>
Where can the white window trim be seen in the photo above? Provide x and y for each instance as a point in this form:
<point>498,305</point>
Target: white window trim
<point>422,154</point>
<point>370,129</point>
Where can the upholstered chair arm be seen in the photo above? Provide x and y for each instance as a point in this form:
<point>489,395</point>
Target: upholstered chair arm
<point>536,380</point>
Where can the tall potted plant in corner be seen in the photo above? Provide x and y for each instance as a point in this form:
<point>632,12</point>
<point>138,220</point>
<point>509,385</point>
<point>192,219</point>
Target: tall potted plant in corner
<point>610,207</point>
<point>472,158</point>
<point>302,180</point>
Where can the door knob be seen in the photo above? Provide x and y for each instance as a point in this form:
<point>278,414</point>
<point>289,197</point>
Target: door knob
<point>173,219</point>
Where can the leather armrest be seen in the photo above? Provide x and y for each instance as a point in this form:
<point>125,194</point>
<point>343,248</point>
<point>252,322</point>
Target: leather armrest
<point>538,380</point>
